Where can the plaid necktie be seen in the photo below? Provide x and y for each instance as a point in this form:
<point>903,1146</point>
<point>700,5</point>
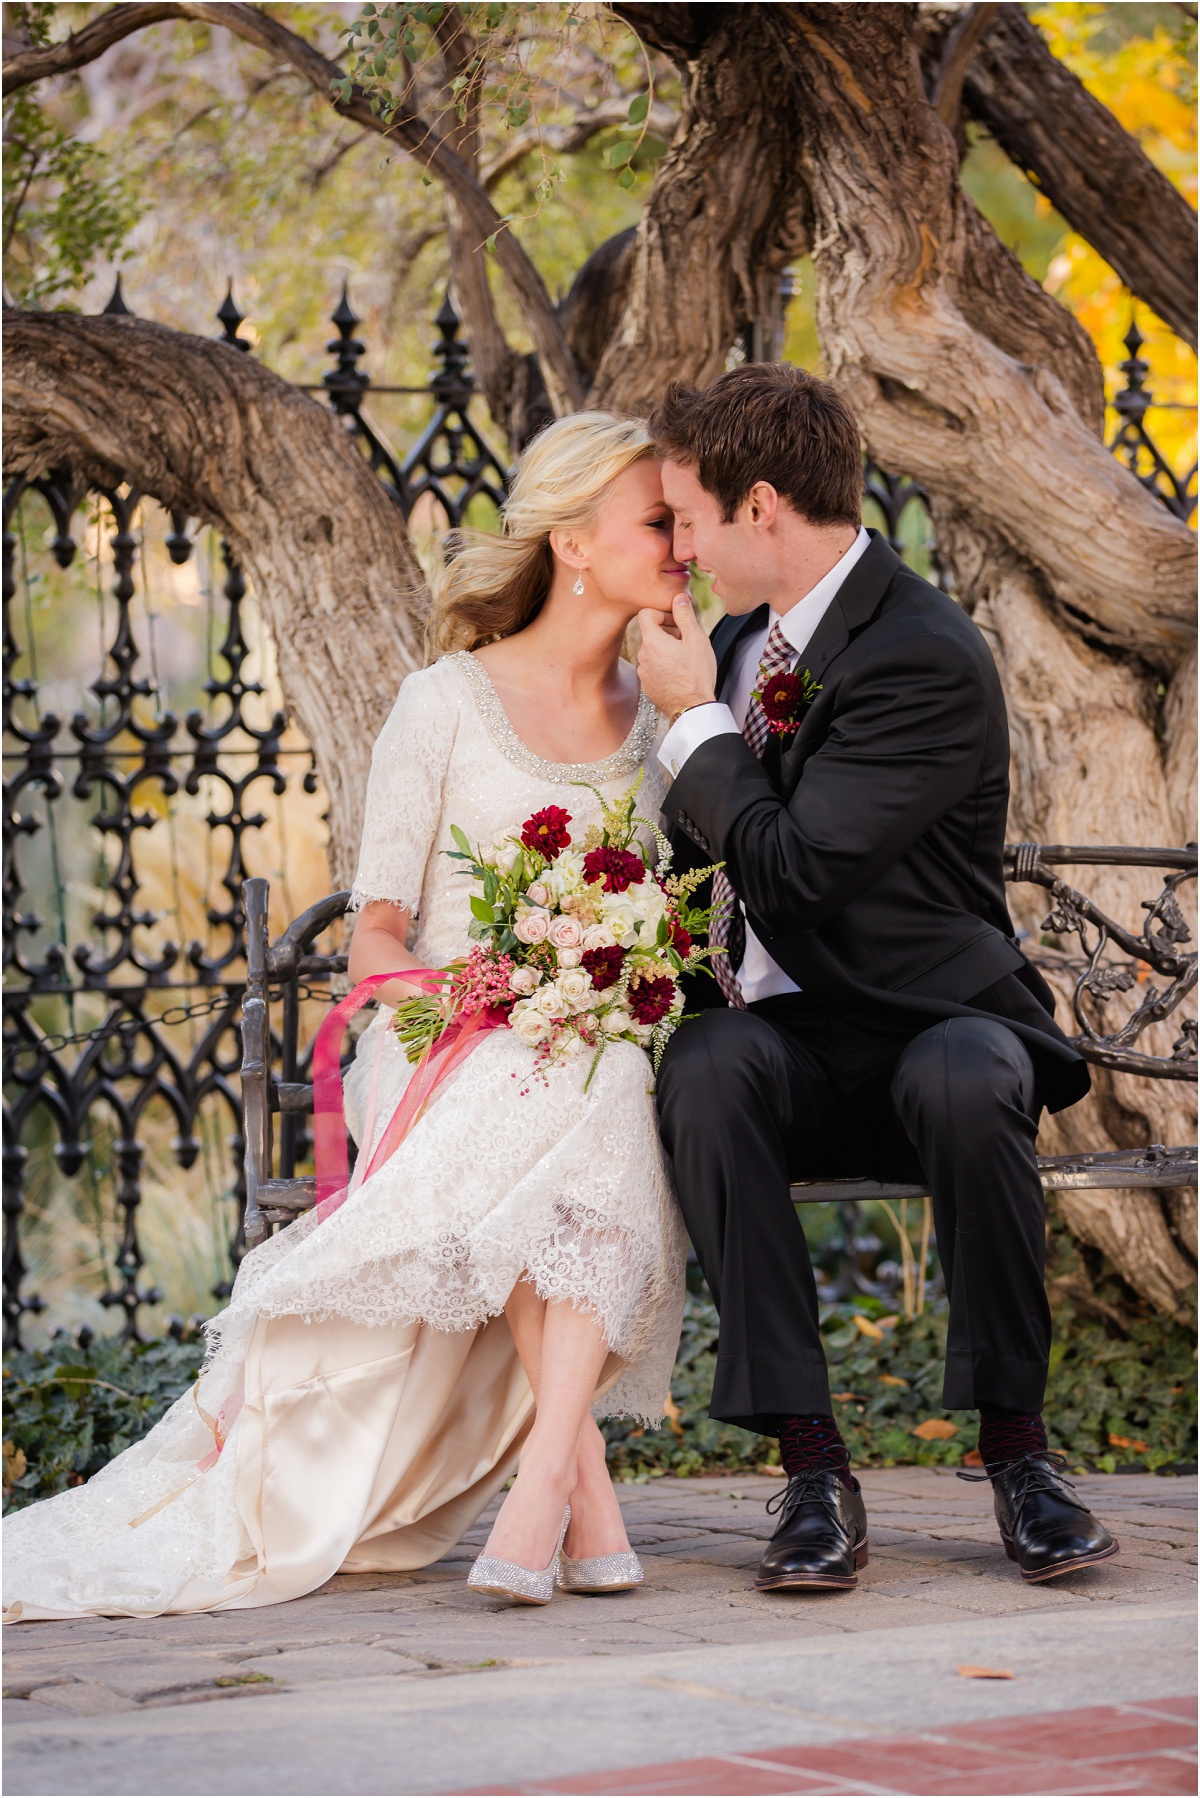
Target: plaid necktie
<point>727,929</point>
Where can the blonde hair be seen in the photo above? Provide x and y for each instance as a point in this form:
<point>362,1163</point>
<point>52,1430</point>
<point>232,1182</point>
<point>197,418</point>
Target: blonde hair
<point>493,584</point>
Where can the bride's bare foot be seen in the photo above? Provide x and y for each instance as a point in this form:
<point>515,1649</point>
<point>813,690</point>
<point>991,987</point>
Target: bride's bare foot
<point>596,1527</point>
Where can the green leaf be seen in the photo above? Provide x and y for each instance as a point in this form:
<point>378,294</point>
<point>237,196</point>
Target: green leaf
<point>626,178</point>
<point>482,910</point>
<point>461,842</point>
<point>617,155</point>
<point>639,106</point>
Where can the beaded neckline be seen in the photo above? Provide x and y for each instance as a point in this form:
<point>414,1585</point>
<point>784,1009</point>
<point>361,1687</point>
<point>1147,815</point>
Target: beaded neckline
<point>624,760</point>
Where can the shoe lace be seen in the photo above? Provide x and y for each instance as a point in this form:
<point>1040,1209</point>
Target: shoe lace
<point>802,1489</point>
<point>1039,1471</point>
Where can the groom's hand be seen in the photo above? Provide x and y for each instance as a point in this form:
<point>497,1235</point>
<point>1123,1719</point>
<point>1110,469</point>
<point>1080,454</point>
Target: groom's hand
<point>676,665</point>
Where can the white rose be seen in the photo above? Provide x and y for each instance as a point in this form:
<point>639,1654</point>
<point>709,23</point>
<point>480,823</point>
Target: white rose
<point>550,1002</point>
<point>615,1023</point>
<point>572,1047</point>
<point>538,893</point>
<point>523,980</point>
<point>530,1026</point>
<point>569,958</point>
<point>576,989</point>
<point>621,918</point>
<point>532,927</point>
<point>565,933</point>
<point>598,936</point>
<point>505,855</point>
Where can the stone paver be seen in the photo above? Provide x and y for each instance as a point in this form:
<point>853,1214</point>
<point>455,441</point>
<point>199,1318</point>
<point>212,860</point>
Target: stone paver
<point>411,1684</point>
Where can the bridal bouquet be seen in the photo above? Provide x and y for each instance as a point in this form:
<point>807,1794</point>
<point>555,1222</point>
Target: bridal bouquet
<point>577,944</point>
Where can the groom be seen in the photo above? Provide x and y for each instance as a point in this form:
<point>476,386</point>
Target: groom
<point>840,745</point>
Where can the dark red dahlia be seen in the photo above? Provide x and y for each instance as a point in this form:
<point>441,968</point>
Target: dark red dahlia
<point>604,965</point>
<point>617,868</point>
<point>781,698</point>
<point>650,1000</point>
<point>681,940</point>
<point>547,832</point>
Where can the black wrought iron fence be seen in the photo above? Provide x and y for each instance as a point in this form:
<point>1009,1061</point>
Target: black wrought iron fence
<point>113,1023</point>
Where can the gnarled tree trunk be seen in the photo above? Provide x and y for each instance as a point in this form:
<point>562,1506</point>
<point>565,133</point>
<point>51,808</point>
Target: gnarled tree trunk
<point>213,434</point>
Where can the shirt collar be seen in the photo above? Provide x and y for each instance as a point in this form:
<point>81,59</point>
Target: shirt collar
<point>801,621</point>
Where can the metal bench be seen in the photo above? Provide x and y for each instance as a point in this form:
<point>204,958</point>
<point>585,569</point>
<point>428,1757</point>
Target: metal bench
<point>280,973</point>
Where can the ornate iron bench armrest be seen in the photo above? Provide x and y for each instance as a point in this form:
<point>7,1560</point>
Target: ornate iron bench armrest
<point>1157,946</point>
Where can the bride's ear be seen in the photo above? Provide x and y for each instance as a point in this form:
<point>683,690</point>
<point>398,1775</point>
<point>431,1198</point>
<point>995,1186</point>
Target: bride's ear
<point>567,549</point>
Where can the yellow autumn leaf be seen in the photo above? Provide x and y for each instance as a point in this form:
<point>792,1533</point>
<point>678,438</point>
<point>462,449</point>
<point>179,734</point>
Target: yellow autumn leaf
<point>1128,1442</point>
<point>969,1672</point>
<point>891,1379</point>
<point>671,1412</point>
<point>936,1429</point>
<point>868,1328</point>
<point>14,1466</point>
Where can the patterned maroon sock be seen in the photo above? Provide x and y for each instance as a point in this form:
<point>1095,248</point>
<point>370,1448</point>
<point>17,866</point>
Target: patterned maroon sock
<point>1005,1436</point>
<point>813,1442</point>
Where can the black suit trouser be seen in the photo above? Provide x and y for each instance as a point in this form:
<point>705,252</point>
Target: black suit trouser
<point>750,1100</point>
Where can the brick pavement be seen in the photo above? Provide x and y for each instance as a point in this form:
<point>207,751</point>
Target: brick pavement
<point>411,1684</point>
<point>1144,1748</point>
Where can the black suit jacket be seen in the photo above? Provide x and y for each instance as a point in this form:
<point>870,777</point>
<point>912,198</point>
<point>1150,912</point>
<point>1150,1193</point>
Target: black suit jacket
<point>867,848</point>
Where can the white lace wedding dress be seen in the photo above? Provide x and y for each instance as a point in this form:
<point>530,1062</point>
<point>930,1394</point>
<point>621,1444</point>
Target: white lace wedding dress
<point>363,1378</point>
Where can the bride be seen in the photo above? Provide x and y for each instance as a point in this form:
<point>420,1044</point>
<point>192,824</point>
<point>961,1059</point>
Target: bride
<point>515,1269</point>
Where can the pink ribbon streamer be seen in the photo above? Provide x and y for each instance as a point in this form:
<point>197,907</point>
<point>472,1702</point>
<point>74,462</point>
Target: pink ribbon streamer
<point>442,1059</point>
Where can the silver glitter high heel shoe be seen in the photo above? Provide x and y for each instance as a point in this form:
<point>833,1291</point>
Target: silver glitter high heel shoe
<point>602,1573</point>
<point>504,1579</point>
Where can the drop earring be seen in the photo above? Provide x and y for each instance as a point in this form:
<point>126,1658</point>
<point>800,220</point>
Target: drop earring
<point>578,587</point>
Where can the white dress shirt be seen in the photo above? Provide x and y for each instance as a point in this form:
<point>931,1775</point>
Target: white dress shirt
<point>759,977</point>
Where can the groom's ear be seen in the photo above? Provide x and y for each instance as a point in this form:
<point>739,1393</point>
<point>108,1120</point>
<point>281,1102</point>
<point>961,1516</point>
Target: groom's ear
<point>761,505</point>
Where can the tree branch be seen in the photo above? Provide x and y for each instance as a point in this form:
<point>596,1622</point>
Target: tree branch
<point>960,47</point>
<point>408,129</point>
<point>216,435</point>
<point>1087,165</point>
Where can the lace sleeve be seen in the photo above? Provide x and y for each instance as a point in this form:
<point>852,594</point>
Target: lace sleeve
<point>404,793</point>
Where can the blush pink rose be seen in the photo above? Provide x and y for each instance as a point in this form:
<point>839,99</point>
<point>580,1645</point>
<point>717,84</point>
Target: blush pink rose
<point>532,927</point>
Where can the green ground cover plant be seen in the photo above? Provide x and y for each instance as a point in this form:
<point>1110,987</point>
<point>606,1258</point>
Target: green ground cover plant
<point>1117,1400</point>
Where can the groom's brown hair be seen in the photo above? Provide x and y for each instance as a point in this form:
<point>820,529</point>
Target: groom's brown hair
<point>767,421</point>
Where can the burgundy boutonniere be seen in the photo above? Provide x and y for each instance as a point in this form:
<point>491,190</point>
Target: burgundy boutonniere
<point>784,699</point>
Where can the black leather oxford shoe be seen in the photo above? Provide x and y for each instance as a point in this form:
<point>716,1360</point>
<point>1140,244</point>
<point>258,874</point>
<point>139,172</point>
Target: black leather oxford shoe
<point>1046,1529</point>
<point>820,1541</point>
